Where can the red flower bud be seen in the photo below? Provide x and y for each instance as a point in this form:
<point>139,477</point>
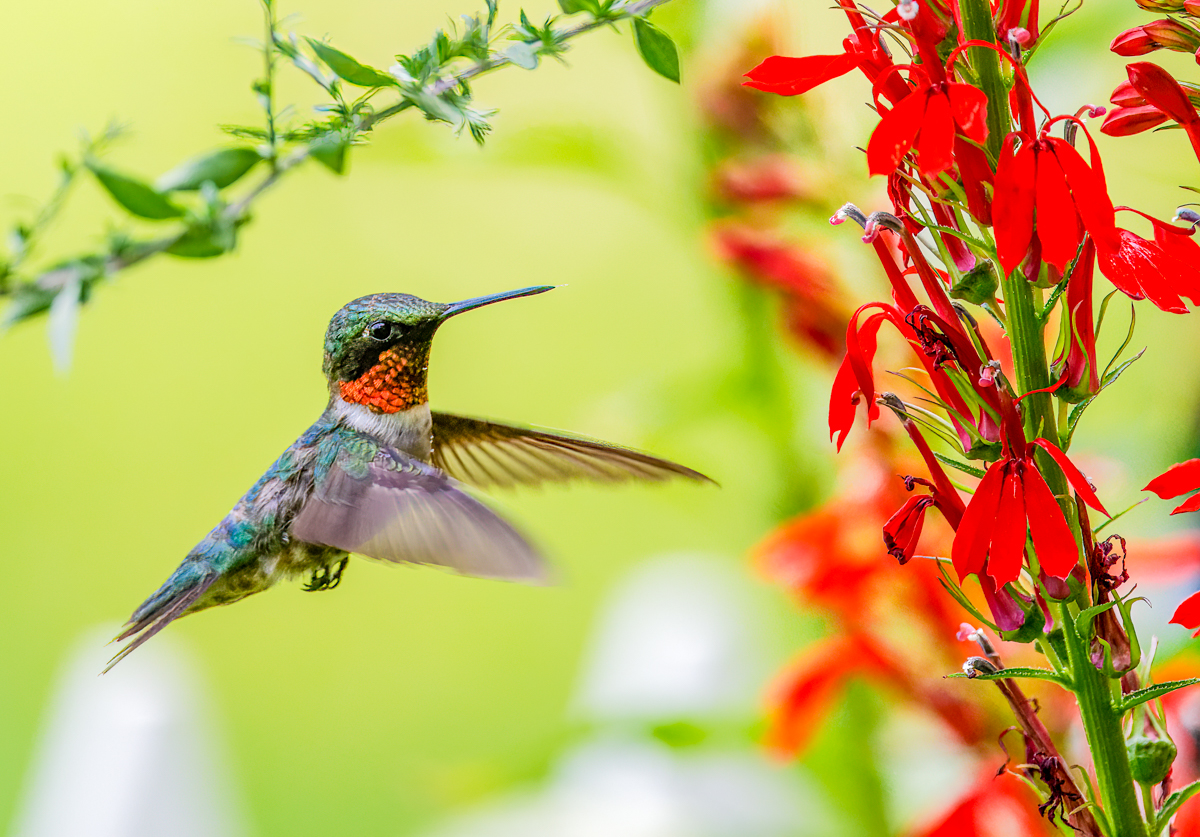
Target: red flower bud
<point>1172,34</point>
<point>1133,41</point>
<point>1122,122</point>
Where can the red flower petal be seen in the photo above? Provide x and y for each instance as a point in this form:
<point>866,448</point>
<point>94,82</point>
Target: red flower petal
<point>1012,205</point>
<point>1124,122</point>
<point>1135,267</point>
<point>935,142</point>
<point>974,530</point>
<point>1057,219</point>
<point>793,76</point>
<point>1188,613</point>
<point>968,105</point>
<point>902,532</point>
<point>1052,538</point>
<point>854,378</point>
<point>976,172</point>
<point>1180,478</point>
<point>1191,504</point>
<point>895,133</point>
<point>1161,90</point>
<point>1008,542</point>
<point>1074,475</point>
<point>1088,189</point>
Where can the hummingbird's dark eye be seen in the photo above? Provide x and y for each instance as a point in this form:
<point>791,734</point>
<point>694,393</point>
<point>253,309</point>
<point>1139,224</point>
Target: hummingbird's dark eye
<point>380,331</point>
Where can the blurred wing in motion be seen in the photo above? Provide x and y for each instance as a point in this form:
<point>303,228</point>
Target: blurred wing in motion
<point>400,509</point>
<point>487,454</point>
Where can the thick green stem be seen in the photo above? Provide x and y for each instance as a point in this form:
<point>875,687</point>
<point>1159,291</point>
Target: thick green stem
<point>978,26</point>
<point>1102,725</point>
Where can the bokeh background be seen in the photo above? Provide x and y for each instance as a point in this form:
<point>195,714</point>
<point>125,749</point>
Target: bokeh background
<point>409,697</point>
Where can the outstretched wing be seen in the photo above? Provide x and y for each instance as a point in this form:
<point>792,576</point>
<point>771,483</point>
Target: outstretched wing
<point>486,454</point>
<point>396,508</point>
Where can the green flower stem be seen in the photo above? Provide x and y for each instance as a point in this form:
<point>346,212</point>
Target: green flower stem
<point>1102,725</point>
<point>978,26</point>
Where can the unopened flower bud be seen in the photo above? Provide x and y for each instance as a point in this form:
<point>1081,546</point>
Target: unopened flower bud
<point>1150,759</point>
<point>1135,41</point>
<point>975,666</point>
<point>1123,122</point>
<point>1171,34</point>
<point>1169,6</point>
<point>1188,216</point>
<point>1192,7</point>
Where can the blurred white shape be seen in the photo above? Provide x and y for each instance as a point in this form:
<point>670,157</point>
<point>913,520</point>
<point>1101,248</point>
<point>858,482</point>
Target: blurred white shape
<point>675,640</point>
<point>128,754</point>
<point>638,788</point>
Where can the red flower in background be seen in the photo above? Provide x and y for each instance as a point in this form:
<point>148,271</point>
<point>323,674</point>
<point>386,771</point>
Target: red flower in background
<point>995,806</point>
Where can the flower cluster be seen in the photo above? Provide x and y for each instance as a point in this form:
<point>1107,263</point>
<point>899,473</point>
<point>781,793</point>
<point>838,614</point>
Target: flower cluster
<point>998,203</point>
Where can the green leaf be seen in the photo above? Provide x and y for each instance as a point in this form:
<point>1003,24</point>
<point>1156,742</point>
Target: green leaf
<point>348,69</point>
<point>570,7</point>
<point>137,197</point>
<point>27,300</point>
<point>330,151</point>
<point>1172,805</point>
<point>656,48</point>
<point>1153,693</point>
<point>222,168</point>
<point>62,323</point>
<point>960,466</point>
<point>523,55</point>
<point>1017,672</point>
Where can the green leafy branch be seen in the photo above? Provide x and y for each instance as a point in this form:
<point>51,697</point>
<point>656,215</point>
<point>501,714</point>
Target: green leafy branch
<point>205,220</point>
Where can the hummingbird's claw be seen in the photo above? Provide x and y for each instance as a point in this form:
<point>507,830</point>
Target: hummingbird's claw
<point>325,578</point>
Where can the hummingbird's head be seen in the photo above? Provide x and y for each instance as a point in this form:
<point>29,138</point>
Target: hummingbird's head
<point>377,347</point>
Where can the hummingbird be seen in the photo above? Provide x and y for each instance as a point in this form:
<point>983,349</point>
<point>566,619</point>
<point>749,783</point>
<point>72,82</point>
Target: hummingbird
<point>381,475</point>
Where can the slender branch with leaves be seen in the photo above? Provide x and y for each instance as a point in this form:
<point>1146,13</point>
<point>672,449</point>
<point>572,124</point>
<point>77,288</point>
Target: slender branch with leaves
<point>197,201</point>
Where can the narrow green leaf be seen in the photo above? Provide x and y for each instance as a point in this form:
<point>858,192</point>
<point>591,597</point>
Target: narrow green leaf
<point>1173,803</point>
<point>1154,692</point>
<point>330,151</point>
<point>62,323</point>
<point>523,55</point>
<point>222,168</point>
<point>348,69</point>
<point>137,197</point>
<point>27,300</point>
<point>570,7</point>
<point>204,242</point>
<point>656,48</point>
<point>960,466</point>
<point>1017,672</point>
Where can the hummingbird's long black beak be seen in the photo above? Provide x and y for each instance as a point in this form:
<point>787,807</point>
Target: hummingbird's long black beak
<point>480,301</point>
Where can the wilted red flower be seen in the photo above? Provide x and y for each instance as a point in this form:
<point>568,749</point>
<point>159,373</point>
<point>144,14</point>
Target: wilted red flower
<point>928,119</point>
<point>1011,497</point>
<point>902,532</point>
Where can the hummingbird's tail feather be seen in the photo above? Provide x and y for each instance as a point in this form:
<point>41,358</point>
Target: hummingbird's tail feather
<point>171,601</point>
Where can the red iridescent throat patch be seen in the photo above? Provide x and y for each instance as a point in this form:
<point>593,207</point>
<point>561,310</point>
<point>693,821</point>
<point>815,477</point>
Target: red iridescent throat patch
<point>396,382</point>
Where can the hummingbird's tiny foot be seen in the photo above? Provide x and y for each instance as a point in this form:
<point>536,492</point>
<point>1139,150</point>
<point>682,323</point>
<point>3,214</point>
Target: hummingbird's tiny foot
<point>325,578</point>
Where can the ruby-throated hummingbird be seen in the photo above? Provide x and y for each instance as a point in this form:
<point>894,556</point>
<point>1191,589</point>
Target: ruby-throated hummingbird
<point>379,474</point>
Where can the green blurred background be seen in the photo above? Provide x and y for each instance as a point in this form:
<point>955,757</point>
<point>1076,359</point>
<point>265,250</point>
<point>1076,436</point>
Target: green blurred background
<point>409,693</point>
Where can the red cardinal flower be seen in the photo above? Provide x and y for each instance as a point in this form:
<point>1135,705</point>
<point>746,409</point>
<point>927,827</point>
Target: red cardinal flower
<point>1011,497</point>
<point>1158,88</point>
<point>902,532</point>
<point>1079,375</point>
<point>793,76</point>
<point>1161,34</point>
<point>928,119</point>
<point>1179,479</point>
<point>1070,197</point>
<point>1188,614</point>
<point>1161,270</point>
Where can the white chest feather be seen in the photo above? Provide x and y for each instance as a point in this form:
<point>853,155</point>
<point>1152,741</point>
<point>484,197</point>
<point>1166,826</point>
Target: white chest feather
<point>410,431</point>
